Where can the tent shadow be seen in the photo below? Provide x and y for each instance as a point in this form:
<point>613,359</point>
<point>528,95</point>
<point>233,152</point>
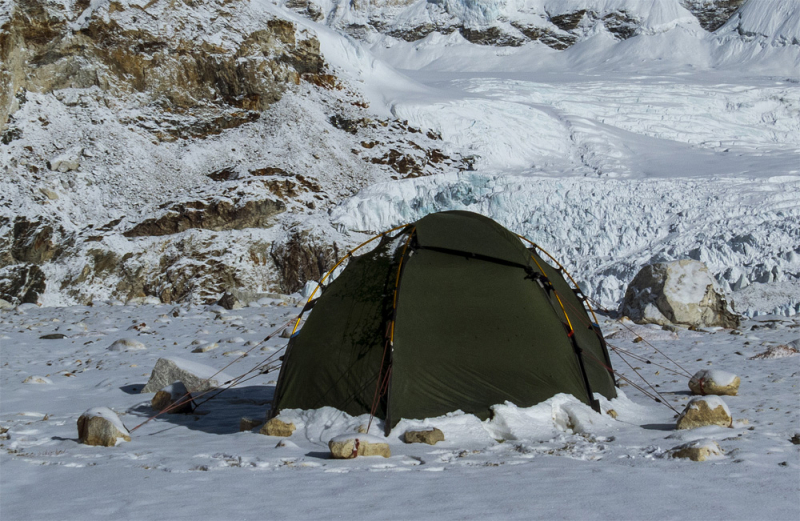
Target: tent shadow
<point>318,455</point>
<point>220,415</point>
<point>132,388</point>
<point>659,426</point>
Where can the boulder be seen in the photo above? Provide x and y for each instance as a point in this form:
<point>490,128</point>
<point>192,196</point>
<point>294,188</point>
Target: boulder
<point>205,348</point>
<point>275,427</point>
<point>101,426</point>
<point>6,305</point>
<point>704,410</point>
<point>37,380</point>
<point>698,450</point>
<point>779,351</point>
<point>126,344</point>
<point>248,424</point>
<point>430,436</point>
<point>229,301</point>
<point>195,376</point>
<point>347,446</point>
<point>678,292</point>
<point>175,397</point>
<point>712,381</point>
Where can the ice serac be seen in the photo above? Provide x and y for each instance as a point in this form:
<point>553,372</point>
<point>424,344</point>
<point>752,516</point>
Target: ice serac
<point>678,292</point>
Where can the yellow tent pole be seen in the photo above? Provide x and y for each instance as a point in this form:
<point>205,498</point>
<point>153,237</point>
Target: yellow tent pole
<point>585,302</point>
<point>348,255</point>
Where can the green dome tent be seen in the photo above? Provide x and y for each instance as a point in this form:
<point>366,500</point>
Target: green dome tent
<point>452,312</point>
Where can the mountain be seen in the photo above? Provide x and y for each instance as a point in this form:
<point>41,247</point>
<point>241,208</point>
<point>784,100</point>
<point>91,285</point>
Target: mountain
<point>173,151</point>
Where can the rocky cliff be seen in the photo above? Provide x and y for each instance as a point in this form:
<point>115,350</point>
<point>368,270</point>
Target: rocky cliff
<point>174,150</point>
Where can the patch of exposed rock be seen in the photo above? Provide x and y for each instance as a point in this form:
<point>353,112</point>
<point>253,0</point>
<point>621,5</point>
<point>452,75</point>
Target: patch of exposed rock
<point>712,14</point>
<point>124,49</point>
<point>302,258</point>
<point>22,284</point>
<point>210,215</point>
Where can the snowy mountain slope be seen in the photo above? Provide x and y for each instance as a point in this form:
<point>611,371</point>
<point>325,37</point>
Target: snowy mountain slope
<point>185,125</point>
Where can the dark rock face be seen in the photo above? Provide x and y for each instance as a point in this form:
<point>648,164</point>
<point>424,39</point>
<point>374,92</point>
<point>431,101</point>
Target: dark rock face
<point>209,215</point>
<point>301,259</point>
<point>712,14</point>
<point>492,36</point>
<point>22,284</point>
<point>32,242</point>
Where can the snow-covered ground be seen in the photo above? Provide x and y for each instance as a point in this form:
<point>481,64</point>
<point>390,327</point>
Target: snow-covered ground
<point>556,460</point>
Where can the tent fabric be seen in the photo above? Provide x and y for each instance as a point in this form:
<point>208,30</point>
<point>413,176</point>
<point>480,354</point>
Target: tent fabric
<point>479,320</point>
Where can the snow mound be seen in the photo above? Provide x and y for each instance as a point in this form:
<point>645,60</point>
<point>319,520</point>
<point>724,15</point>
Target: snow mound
<point>37,380</point>
<point>127,344</point>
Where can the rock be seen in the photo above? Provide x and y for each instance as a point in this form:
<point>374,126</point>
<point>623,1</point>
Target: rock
<point>6,305</point>
<point>612,413</point>
<point>347,446</point>
<point>679,292</point>
<point>275,427</point>
<point>210,215</point>
<point>175,397</point>
<point>228,301</point>
<point>430,436</point>
<point>37,380</point>
<point>205,348</point>
<point>126,344</point>
<point>699,450</point>
<point>779,351</point>
<point>101,426</point>
<point>248,424</point>
<point>22,283</point>
<point>705,410</point>
<point>287,332</point>
<point>53,336</point>
<point>795,439</point>
<point>195,376</point>
<point>65,162</point>
<point>712,14</point>
<point>302,258</point>
<point>712,381</point>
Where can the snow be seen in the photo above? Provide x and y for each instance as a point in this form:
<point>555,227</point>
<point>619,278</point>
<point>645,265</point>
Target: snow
<point>712,401</point>
<point>516,465</point>
<point>722,378</point>
<point>369,438</point>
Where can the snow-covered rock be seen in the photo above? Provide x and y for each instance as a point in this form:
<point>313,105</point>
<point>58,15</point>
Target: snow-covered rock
<point>778,351</point>
<point>704,410</point>
<point>248,424</point>
<point>37,380</point>
<point>678,292</point>
<point>174,397</point>
<point>714,381</point>
<point>347,446</point>
<point>277,427</point>
<point>101,426</point>
<point>195,376</point>
<point>698,450</point>
<point>204,348</point>
<point>431,436</point>
<point>127,344</point>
